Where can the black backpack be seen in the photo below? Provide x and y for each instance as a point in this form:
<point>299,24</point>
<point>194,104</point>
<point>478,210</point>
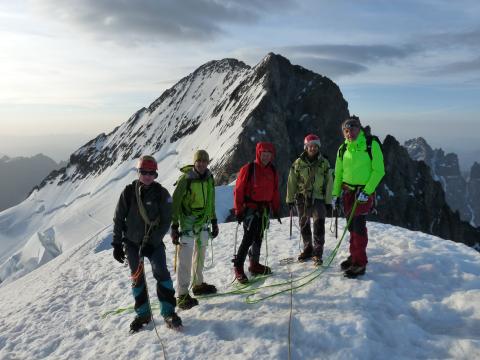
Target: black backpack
<point>369,138</point>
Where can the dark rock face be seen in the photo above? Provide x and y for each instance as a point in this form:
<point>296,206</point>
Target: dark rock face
<point>298,102</point>
<point>474,192</point>
<point>411,198</point>
<point>460,195</point>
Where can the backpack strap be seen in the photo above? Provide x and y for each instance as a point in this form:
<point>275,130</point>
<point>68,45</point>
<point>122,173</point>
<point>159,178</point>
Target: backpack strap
<point>149,225</point>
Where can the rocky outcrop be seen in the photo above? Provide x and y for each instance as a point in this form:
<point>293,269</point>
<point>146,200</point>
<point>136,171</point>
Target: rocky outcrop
<point>460,195</point>
<point>410,197</point>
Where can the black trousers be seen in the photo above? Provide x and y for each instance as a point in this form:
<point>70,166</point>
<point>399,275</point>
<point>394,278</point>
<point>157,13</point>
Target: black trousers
<point>253,230</point>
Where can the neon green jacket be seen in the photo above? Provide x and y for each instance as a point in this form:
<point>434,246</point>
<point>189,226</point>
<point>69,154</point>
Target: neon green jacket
<point>193,200</point>
<point>356,167</point>
<point>316,185</point>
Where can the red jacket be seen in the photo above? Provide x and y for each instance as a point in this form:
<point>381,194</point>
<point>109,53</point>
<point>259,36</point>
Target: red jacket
<point>259,187</point>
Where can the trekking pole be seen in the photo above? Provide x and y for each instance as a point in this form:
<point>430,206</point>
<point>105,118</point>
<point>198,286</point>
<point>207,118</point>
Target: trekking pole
<point>336,223</point>
<point>175,259</point>
<point>236,238</point>
<point>291,222</point>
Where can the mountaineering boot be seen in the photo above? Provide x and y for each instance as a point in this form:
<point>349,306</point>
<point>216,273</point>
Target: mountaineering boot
<point>138,323</point>
<point>355,270</point>
<point>317,260</point>
<point>173,321</point>
<point>186,302</point>
<point>240,275</point>
<point>344,265</point>
<point>305,254</point>
<point>256,268</point>
<point>204,289</point>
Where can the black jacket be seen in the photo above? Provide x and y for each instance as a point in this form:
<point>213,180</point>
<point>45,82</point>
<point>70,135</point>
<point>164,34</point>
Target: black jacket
<point>128,224</point>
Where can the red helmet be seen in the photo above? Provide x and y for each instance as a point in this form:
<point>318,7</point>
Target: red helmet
<point>311,139</point>
<point>147,162</point>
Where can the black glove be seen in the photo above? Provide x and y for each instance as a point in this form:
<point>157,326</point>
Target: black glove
<point>291,205</point>
<point>146,250</point>
<point>276,215</point>
<point>240,217</point>
<point>118,253</point>
<point>175,234</point>
<point>214,228</point>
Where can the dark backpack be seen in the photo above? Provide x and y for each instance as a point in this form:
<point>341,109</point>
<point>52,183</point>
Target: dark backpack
<point>251,170</point>
<point>369,138</point>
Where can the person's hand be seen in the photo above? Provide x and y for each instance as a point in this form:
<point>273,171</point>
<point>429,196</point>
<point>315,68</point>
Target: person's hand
<point>335,203</point>
<point>146,250</point>
<point>118,253</point>
<point>291,206</point>
<point>214,228</point>
<point>362,197</point>
<point>175,234</point>
<point>240,217</point>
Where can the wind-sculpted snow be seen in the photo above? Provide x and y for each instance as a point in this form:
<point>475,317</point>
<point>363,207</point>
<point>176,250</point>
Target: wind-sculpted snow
<point>420,298</point>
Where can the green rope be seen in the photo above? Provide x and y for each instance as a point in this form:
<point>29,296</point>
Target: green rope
<point>313,275</point>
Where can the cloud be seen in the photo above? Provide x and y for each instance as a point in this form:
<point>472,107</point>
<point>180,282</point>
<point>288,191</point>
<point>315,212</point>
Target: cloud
<point>357,53</point>
<point>329,67</point>
<point>459,67</point>
<point>153,20</point>
<point>468,39</point>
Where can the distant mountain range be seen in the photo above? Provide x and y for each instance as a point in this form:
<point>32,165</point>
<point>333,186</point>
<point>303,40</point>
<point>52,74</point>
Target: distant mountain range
<point>462,194</point>
<point>19,175</point>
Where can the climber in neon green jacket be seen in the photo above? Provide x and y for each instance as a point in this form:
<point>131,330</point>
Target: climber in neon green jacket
<point>359,169</point>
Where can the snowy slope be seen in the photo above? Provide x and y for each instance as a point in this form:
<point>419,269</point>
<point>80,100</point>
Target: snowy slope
<point>419,299</point>
<point>73,205</point>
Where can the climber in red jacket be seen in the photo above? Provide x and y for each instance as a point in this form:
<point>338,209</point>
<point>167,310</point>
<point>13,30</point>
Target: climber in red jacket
<point>255,196</point>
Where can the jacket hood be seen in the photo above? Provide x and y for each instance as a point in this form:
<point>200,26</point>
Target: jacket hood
<point>190,172</point>
<point>264,146</point>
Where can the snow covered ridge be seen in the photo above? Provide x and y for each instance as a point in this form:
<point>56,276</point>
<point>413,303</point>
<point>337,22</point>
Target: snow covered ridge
<point>78,200</point>
<point>420,299</point>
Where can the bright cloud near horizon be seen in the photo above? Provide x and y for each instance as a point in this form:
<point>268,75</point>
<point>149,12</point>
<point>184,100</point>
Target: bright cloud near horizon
<point>409,68</point>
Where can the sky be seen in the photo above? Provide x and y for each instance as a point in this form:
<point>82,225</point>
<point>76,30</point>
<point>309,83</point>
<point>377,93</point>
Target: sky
<point>407,68</point>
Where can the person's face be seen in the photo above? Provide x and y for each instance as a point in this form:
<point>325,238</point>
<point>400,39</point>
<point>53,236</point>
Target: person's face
<point>265,157</point>
<point>312,150</point>
<point>201,166</point>
<point>147,177</point>
<point>351,133</point>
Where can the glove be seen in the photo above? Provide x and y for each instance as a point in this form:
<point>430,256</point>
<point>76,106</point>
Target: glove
<point>214,228</point>
<point>335,203</point>
<point>240,217</point>
<point>146,250</point>
<point>291,205</point>
<point>175,234</point>
<point>362,197</point>
<point>118,253</point>
<point>276,215</point>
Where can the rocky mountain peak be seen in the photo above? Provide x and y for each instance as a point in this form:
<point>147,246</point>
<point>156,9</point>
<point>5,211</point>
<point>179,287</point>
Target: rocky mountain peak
<point>475,171</point>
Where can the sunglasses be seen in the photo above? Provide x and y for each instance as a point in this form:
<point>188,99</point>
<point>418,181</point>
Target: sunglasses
<point>146,172</point>
<point>350,126</point>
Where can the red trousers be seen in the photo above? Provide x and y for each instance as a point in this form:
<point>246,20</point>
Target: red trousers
<point>358,226</point>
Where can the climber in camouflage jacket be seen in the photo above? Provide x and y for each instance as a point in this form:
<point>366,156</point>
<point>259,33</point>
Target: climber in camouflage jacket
<point>309,187</point>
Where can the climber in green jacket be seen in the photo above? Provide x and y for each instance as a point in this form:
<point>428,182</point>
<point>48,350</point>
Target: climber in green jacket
<point>192,214</point>
<point>359,169</point>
